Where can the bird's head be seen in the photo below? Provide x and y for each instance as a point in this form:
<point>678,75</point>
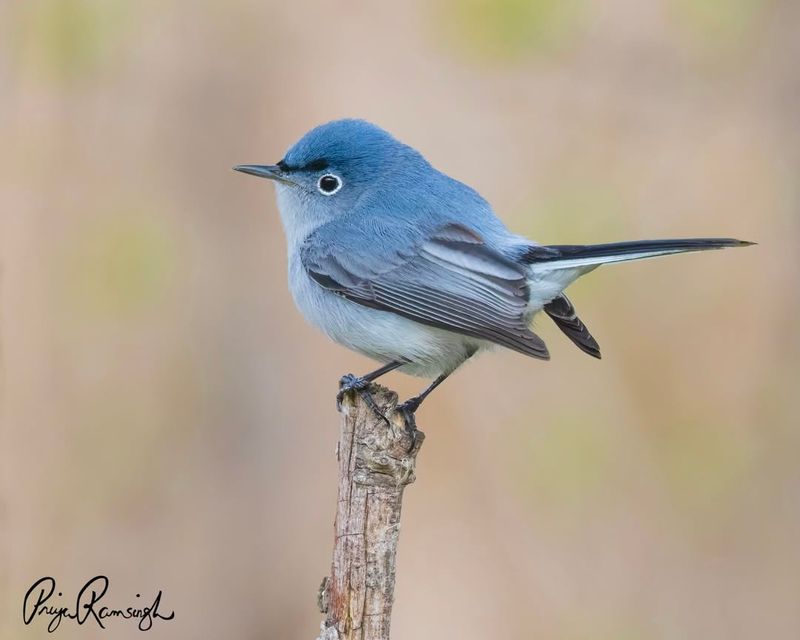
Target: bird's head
<point>335,165</point>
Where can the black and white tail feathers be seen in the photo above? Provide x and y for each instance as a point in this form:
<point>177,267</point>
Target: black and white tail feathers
<point>584,258</point>
<point>563,314</point>
<point>570,256</point>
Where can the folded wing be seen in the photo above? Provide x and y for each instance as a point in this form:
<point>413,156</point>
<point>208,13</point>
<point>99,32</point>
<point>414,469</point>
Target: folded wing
<point>450,280</point>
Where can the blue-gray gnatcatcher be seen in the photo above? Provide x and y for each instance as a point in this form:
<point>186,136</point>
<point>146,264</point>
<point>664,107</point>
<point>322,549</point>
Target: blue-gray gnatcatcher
<point>396,260</point>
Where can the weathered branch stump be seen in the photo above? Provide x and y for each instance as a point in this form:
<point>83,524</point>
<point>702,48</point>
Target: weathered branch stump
<point>376,462</point>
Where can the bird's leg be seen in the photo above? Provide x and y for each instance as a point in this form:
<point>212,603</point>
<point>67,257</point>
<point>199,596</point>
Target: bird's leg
<point>350,382</point>
<point>410,406</point>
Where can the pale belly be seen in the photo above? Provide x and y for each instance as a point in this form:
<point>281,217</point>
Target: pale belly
<point>380,335</point>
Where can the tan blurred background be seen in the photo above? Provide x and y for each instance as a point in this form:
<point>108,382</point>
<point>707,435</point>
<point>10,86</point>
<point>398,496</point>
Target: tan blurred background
<point>168,417</point>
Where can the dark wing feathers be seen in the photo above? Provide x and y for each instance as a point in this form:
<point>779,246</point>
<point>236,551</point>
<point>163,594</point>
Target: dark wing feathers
<point>563,314</point>
<point>452,281</point>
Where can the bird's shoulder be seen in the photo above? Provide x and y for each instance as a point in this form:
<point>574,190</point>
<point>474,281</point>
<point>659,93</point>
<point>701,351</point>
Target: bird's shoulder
<point>361,246</point>
<point>350,251</point>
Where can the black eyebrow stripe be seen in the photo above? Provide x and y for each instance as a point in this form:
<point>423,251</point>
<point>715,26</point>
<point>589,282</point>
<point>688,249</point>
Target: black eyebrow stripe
<point>317,165</point>
<point>314,165</point>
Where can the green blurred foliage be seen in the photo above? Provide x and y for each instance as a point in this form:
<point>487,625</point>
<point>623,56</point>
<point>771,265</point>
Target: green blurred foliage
<point>509,29</point>
<point>118,442</point>
<point>720,23</point>
<point>571,208</point>
<point>602,627</point>
<point>69,39</point>
<point>703,464</point>
<point>119,266</point>
<point>566,464</point>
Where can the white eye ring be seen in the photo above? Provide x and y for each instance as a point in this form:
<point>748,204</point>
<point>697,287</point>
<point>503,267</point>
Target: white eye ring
<point>325,191</point>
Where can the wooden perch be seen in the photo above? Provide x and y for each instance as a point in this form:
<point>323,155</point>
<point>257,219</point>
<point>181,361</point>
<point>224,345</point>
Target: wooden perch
<point>376,462</point>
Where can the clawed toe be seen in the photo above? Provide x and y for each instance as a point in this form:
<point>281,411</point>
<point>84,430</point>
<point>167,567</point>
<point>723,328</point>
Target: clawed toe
<point>407,410</point>
<point>410,406</point>
<point>351,382</point>
<point>348,383</point>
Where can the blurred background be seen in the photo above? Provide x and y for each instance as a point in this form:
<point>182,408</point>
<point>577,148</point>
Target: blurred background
<point>168,417</point>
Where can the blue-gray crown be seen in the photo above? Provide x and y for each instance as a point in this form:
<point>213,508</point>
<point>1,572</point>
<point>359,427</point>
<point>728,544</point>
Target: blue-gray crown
<point>348,143</point>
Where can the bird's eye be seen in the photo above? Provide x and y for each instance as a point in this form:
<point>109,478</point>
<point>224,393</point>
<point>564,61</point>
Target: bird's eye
<point>329,184</point>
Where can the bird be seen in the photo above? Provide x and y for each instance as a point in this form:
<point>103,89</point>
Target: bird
<point>406,265</point>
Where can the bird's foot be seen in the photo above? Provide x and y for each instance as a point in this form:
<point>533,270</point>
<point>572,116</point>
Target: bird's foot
<point>350,382</point>
<point>347,383</point>
<point>407,409</point>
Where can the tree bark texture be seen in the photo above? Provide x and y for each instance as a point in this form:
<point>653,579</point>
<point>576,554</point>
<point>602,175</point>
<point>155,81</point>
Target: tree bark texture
<point>377,460</point>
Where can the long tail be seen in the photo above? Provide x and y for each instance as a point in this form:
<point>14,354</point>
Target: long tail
<point>554,267</point>
<point>578,256</point>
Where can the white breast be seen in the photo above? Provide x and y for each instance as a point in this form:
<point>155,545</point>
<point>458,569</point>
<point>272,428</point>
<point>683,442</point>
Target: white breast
<point>380,335</point>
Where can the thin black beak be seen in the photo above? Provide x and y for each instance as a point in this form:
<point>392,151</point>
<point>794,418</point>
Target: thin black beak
<point>271,172</point>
